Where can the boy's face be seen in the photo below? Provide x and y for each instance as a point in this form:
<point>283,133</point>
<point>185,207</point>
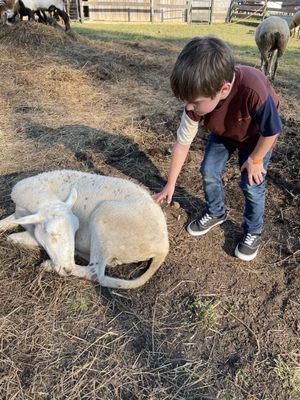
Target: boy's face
<point>202,105</point>
<point>205,105</point>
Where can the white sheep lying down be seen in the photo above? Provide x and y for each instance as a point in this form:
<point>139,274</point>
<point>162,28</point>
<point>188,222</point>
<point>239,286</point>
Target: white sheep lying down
<point>108,221</point>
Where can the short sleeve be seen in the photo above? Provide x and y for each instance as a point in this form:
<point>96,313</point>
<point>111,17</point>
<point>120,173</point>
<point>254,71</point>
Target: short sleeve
<point>268,119</point>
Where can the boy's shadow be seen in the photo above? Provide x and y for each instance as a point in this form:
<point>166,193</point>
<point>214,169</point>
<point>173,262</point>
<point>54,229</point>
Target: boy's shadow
<point>233,234</point>
<point>89,145</point>
<point>7,182</point>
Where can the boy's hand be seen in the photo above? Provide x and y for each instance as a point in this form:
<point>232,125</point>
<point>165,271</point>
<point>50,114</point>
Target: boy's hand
<point>166,193</point>
<point>255,171</point>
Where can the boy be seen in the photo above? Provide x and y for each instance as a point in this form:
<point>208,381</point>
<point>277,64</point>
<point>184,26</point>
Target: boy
<point>240,108</point>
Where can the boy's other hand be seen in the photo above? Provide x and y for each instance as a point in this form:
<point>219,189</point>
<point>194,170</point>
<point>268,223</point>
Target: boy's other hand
<point>255,172</point>
<point>166,193</point>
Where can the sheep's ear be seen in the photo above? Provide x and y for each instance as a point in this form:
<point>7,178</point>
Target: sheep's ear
<point>71,198</point>
<point>30,219</point>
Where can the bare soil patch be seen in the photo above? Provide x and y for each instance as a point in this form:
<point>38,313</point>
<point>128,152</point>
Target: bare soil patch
<point>207,326</point>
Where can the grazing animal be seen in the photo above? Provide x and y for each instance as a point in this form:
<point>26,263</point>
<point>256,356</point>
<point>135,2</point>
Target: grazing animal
<point>24,11</point>
<point>295,22</point>
<point>38,6</point>
<point>117,222</point>
<point>271,36</point>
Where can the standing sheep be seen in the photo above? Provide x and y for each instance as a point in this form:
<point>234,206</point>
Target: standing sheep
<point>117,222</point>
<point>295,22</point>
<point>271,37</point>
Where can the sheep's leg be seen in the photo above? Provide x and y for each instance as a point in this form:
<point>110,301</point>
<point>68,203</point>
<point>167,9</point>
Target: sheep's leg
<point>88,272</point>
<point>133,283</point>
<point>65,18</point>
<point>41,18</point>
<point>44,16</point>
<point>8,223</point>
<point>23,239</point>
<point>30,15</point>
<point>264,64</point>
<point>273,64</point>
<point>275,68</point>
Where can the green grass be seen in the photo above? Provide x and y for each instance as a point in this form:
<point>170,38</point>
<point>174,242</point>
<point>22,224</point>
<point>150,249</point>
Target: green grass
<point>204,311</point>
<point>288,374</point>
<point>79,302</point>
<point>160,31</point>
<point>240,37</point>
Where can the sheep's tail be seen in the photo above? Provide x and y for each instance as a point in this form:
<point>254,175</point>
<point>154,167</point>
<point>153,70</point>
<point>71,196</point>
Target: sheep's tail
<point>117,283</point>
<point>8,223</point>
<point>281,43</point>
<point>270,41</point>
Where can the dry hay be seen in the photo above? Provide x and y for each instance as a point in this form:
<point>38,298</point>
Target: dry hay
<point>206,326</point>
<point>33,35</point>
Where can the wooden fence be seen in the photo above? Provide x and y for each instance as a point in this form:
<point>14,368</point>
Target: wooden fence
<point>254,11</point>
<point>142,10</point>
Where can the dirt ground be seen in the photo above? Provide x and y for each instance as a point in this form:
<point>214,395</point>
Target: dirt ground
<point>207,326</point>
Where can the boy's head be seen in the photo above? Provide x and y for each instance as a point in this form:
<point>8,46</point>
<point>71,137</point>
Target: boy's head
<point>203,73</point>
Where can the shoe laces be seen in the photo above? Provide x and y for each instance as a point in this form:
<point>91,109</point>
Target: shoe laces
<point>205,219</point>
<point>249,239</point>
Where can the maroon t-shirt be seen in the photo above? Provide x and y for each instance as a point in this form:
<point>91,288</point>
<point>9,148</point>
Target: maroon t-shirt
<point>250,110</point>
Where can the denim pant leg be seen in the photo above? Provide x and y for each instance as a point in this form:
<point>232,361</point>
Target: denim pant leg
<point>216,155</point>
<point>254,197</point>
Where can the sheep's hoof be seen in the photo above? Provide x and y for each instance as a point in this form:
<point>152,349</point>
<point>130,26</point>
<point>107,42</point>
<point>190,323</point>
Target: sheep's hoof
<point>65,272</point>
<point>47,266</point>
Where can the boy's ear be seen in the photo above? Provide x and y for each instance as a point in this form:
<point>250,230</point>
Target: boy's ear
<point>226,88</point>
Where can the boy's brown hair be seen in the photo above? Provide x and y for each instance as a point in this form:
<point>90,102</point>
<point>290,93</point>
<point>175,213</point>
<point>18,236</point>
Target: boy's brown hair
<point>201,69</point>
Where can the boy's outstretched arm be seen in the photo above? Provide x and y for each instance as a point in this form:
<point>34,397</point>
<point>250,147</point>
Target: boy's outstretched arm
<point>179,154</point>
<point>254,164</point>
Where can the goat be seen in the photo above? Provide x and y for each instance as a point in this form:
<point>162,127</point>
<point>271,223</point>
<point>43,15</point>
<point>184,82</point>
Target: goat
<point>295,22</point>
<point>117,222</point>
<point>271,37</point>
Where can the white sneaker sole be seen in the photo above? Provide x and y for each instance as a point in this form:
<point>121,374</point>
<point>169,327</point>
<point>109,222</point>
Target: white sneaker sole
<point>244,257</point>
<point>193,233</point>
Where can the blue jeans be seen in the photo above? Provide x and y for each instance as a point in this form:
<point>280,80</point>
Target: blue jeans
<point>217,153</point>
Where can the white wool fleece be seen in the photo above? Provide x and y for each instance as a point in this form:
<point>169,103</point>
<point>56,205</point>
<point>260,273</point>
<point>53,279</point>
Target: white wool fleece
<point>44,4</point>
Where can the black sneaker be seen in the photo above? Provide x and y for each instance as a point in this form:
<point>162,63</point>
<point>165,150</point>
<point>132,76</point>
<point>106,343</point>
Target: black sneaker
<point>248,247</point>
<point>204,224</point>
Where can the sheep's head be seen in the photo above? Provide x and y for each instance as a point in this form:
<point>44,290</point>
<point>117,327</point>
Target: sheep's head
<point>11,15</point>
<point>55,228</point>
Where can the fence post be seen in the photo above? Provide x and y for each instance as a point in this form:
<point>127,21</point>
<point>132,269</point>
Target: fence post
<point>151,11</point>
<point>212,3</point>
<point>229,12</point>
<point>265,10</point>
<point>162,15</point>
<point>78,7</point>
<point>188,11</point>
<point>128,11</point>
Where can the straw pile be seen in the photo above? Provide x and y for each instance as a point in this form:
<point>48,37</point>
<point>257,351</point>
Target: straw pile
<point>32,35</point>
